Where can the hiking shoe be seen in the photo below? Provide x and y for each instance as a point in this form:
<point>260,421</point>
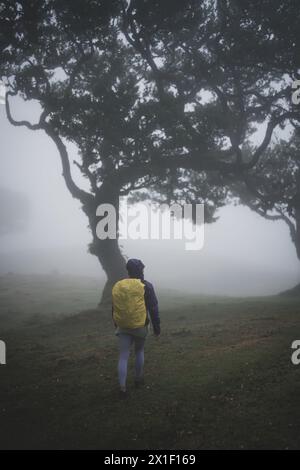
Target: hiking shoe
<point>139,382</point>
<point>123,394</point>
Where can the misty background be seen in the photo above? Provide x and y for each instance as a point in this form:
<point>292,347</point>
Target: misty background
<point>243,253</point>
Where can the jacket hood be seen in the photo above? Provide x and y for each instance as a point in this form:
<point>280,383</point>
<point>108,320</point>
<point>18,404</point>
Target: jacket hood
<point>135,268</point>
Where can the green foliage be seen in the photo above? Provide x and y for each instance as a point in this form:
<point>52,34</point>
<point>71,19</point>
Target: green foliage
<point>156,95</point>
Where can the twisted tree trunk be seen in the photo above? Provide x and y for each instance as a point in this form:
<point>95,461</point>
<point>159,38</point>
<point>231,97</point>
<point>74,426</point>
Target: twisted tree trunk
<point>107,250</point>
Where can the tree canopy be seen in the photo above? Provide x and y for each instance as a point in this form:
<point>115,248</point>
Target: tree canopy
<point>162,96</point>
<point>272,188</point>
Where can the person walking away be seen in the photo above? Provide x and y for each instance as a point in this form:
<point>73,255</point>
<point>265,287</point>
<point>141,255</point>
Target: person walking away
<point>135,305</point>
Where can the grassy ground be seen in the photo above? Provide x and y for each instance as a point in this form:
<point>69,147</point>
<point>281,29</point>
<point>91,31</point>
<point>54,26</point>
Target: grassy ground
<point>220,375</point>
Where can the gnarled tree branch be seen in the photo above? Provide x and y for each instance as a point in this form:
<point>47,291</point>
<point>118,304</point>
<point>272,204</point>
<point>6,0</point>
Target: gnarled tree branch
<point>76,192</point>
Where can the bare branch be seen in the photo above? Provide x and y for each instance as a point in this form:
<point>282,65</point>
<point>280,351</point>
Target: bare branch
<point>33,127</point>
<point>86,172</point>
<point>76,192</point>
<point>273,123</point>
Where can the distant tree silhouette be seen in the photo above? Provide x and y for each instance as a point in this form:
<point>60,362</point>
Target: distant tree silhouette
<point>14,212</point>
<point>272,188</point>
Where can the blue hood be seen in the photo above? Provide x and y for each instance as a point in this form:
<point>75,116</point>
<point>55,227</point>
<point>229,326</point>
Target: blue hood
<point>135,268</point>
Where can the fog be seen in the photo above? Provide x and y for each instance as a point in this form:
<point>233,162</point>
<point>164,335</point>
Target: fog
<point>243,254</point>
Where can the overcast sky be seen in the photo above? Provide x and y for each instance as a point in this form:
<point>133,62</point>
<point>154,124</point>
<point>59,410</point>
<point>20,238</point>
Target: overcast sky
<point>243,254</point>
